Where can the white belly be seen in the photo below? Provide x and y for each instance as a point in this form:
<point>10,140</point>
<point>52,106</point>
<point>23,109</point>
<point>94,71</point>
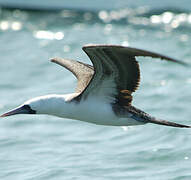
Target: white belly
<point>97,112</point>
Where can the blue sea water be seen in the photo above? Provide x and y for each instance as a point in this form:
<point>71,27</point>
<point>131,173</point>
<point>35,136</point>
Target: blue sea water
<point>50,148</point>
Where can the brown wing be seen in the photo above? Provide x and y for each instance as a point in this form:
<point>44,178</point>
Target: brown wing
<point>118,63</point>
<point>82,71</point>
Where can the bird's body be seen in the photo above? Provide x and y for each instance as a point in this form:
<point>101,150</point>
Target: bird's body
<point>104,91</point>
<point>92,110</point>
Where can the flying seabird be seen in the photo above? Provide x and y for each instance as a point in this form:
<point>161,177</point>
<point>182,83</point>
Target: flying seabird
<point>104,91</point>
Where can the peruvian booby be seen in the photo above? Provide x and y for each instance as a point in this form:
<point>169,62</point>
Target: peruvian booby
<point>104,91</point>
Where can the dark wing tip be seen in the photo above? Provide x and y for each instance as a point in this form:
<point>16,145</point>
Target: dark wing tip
<point>135,52</point>
<point>54,60</point>
<point>87,46</point>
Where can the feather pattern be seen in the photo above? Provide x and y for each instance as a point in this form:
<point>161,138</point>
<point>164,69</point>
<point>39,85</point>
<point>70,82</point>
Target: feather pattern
<point>112,79</point>
<point>82,71</point>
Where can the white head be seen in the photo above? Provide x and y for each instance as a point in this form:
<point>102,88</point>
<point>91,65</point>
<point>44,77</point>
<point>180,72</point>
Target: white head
<point>40,105</point>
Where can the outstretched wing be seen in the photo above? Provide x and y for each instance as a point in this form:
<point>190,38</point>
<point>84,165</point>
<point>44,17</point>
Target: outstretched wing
<point>117,72</point>
<point>82,71</point>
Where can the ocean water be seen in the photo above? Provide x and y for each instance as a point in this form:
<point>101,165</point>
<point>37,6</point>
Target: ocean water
<point>49,148</point>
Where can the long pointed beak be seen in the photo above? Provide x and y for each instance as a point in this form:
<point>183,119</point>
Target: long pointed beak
<point>20,110</point>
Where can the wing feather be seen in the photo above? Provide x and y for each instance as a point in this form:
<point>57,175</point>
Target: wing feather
<point>118,63</point>
<point>82,71</point>
<point>115,71</point>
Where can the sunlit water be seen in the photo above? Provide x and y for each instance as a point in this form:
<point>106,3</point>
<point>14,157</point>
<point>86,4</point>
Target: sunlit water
<point>50,148</point>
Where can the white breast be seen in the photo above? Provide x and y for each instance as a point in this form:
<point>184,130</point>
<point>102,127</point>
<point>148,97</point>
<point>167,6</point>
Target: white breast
<point>95,111</point>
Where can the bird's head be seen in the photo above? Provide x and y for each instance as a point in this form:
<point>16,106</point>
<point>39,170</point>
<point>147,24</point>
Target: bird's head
<point>38,105</point>
<point>23,109</point>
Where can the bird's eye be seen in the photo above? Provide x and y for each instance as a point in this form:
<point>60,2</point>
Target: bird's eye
<point>28,108</point>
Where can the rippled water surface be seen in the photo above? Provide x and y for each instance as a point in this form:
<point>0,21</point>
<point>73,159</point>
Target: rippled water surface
<point>50,148</point>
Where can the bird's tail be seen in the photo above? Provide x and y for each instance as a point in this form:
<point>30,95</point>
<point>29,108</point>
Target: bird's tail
<point>141,116</point>
<point>167,123</point>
